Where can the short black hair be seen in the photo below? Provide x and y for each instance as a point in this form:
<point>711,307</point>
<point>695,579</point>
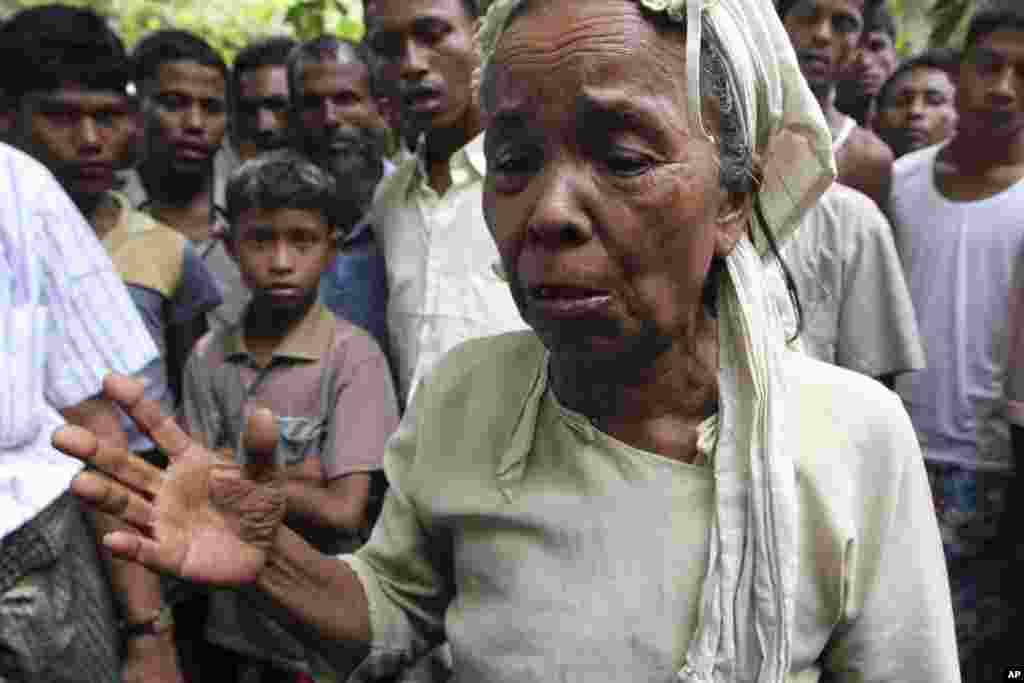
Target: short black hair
<point>943,59</point>
<point>321,49</point>
<point>991,16</point>
<point>473,8</point>
<point>270,52</point>
<point>285,179</point>
<point>172,45</point>
<point>46,46</point>
<point>870,7</point>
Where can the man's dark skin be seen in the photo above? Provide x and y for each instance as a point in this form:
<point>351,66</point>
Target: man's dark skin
<point>825,35</point>
<point>426,47</point>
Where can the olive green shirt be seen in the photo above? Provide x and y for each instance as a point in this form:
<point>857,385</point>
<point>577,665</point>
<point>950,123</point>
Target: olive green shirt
<point>545,550</point>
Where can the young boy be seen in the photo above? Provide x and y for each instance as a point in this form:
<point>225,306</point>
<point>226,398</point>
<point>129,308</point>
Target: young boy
<point>325,379</point>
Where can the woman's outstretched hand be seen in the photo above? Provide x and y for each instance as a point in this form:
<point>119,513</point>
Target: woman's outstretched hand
<point>205,518</point>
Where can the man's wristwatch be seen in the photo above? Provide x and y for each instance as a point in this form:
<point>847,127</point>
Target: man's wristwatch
<point>160,621</point>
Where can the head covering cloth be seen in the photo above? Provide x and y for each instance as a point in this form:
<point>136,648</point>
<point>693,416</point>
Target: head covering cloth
<point>745,624</point>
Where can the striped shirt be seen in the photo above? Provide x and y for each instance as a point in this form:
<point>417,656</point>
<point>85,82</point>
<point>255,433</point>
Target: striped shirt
<point>67,321</point>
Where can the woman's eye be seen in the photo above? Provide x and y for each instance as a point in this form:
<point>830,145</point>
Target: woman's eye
<point>628,165</point>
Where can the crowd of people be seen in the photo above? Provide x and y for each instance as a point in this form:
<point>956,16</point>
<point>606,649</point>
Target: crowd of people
<point>524,340</point>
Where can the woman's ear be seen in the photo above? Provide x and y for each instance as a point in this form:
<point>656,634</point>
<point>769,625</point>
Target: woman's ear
<point>732,221</point>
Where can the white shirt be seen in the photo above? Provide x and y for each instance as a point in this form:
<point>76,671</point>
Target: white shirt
<point>959,259</point>
<point>442,284</point>
<point>67,321</point>
<point>857,311</point>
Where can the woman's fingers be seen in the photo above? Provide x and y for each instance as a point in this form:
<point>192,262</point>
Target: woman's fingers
<point>127,392</point>
<point>120,464</point>
<point>132,546</point>
<point>115,499</point>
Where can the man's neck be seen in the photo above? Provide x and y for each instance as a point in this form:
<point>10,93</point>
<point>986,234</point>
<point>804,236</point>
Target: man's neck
<point>827,100</point>
<point>164,185</point>
<point>101,211</point>
<point>977,152</point>
<point>442,143</point>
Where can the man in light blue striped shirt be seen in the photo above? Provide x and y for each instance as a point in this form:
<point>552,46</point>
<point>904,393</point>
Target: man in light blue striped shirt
<point>67,321</point>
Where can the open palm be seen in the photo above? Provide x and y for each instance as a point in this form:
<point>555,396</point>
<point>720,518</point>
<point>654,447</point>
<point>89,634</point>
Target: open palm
<point>205,518</point>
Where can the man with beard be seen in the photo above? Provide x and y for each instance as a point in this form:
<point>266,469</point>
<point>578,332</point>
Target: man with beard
<point>956,210</point>
<point>337,124</point>
<point>443,283</point>
<point>917,105</point>
<point>258,91</point>
<point>825,34</point>
<point>183,84</point>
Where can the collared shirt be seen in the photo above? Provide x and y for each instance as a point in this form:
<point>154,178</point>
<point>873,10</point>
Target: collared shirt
<point>441,259</point>
<point>355,286</point>
<point>66,322</point>
<point>543,549</point>
<point>331,388</point>
<point>233,292</point>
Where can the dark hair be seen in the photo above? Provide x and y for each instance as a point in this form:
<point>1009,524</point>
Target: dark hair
<point>322,49</point>
<point>269,52</point>
<point>473,8</point>
<point>737,168</point>
<point>46,46</point>
<point>880,19</point>
<point>942,59</point>
<point>991,16</point>
<point>172,45</point>
<point>284,179</point>
<point>870,7</point>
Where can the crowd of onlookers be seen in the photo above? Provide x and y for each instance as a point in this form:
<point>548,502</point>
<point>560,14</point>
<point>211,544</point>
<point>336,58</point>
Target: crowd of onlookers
<point>303,230</point>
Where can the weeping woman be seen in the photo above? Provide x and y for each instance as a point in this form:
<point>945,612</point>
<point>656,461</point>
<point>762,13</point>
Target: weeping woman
<point>648,486</point>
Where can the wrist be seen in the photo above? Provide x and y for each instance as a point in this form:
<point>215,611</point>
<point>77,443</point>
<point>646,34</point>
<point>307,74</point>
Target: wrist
<point>156,623</point>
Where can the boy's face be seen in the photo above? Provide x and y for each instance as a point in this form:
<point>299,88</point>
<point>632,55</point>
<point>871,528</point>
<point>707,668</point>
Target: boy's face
<point>187,116</point>
<point>83,136</point>
<point>990,90</point>
<point>824,34</point>
<point>281,254</point>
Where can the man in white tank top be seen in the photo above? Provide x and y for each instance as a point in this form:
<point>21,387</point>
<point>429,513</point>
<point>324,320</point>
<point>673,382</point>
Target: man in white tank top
<point>956,208</point>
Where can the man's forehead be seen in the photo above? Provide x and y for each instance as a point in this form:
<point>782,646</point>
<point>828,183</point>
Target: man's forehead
<point>78,94</point>
<point>335,74</point>
<point>804,6</point>
<point>183,73</point>
<point>392,15</point>
<point>1005,42</point>
<point>266,78</point>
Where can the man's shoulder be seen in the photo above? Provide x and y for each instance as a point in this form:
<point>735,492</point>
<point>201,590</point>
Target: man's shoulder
<point>867,147</point>
<point>851,213</point>
<point>915,164</point>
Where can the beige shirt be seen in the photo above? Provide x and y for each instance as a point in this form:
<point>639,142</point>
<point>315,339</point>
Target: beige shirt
<point>440,260</point>
<point>233,292</point>
<point>546,550</point>
<point>857,308</point>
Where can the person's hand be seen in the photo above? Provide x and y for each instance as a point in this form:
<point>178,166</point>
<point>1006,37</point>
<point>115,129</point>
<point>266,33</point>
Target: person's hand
<point>205,518</point>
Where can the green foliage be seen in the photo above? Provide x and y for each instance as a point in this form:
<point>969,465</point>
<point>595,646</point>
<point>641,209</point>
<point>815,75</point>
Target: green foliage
<point>228,25</point>
<point>949,18</point>
<point>312,18</point>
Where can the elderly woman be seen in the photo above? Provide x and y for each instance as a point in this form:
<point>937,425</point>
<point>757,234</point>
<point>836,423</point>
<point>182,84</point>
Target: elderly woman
<point>649,486</point>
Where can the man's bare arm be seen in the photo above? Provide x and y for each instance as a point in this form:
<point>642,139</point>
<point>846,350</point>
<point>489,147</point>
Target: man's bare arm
<point>338,504</point>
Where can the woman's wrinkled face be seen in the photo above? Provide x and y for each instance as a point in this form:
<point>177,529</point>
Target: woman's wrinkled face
<point>607,211</point>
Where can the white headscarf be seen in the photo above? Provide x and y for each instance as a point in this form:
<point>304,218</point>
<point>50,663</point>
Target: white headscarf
<point>745,625</point>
